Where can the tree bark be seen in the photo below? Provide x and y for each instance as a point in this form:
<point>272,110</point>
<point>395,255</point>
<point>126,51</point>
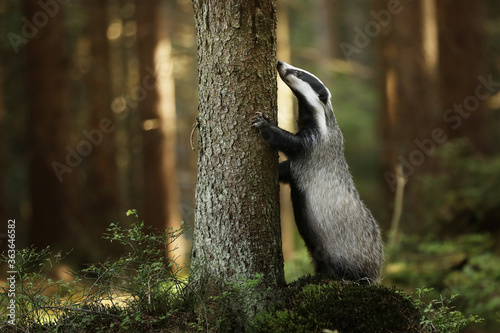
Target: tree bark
<point>237,230</point>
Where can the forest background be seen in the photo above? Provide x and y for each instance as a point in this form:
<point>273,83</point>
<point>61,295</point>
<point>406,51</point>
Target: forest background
<point>98,101</point>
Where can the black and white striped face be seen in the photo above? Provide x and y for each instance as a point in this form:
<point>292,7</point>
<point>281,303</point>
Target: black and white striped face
<point>304,84</point>
<point>309,90</point>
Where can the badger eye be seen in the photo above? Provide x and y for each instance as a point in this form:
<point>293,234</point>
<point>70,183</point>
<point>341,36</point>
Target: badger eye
<point>298,74</point>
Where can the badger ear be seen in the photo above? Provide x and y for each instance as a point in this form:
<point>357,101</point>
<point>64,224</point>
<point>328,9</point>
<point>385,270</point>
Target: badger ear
<point>324,96</point>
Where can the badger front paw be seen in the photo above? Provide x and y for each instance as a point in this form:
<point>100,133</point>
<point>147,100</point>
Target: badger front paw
<point>265,126</point>
<point>260,120</point>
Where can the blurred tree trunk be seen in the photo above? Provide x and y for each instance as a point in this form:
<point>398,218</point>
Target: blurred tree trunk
<point>461,34</point>
<point>286,120</point>
<point>409,62</point>
<point>158,116</point>
<point>326,30</point>
<point>123,69</point>
<point>237,232</point>
<point>153,147</point>
<point>104,189</point>
<point>166,88</point>
<point>181,25</point>
<point>53,201</point>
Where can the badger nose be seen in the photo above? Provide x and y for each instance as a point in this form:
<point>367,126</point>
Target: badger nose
<point>280,63</point>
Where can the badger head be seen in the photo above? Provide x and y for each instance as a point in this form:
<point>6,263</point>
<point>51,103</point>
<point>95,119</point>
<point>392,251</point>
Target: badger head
<point>313,96</point>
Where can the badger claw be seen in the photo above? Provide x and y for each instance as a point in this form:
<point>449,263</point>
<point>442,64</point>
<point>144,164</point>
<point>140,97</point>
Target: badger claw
<point>260,120</point>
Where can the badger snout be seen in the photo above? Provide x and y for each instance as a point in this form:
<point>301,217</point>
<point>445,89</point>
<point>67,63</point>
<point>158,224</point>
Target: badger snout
<point>282,67</point>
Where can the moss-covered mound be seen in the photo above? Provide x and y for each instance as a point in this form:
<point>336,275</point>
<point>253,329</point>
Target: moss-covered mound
<point>318,304</point>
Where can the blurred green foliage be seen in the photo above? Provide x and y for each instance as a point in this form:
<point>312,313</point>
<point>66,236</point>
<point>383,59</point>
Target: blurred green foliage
<point>460,196</point>
<point>466,266</point>
<point>141,290</point>
<point>439,316</point>
<point>451,221</point>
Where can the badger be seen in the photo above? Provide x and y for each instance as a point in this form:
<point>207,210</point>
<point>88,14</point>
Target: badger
<point>339,231</point>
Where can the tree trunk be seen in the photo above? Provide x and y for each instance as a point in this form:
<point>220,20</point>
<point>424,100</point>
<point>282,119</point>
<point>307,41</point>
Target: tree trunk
<point>51,176</point>
<point>409,65</point>
<point>409,62</point>
<point>104,190</point>
<point>153,120</point>
<point>326,29</point>
<point>461,30</point>
<point>237,231</point>
<point>166,89</point>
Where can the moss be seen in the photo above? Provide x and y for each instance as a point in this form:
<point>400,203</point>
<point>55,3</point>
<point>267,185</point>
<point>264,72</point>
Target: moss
<point>316,303</point>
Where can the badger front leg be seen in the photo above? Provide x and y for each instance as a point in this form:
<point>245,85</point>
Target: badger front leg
<point>284,172</point>
<point>279,139</point>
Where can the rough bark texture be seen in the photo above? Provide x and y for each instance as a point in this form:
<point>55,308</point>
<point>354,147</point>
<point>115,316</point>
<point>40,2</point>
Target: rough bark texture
<point>237,230</point>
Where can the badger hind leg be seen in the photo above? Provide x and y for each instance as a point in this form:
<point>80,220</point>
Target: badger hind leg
<point>328,266</point>
<point>323,264</point>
